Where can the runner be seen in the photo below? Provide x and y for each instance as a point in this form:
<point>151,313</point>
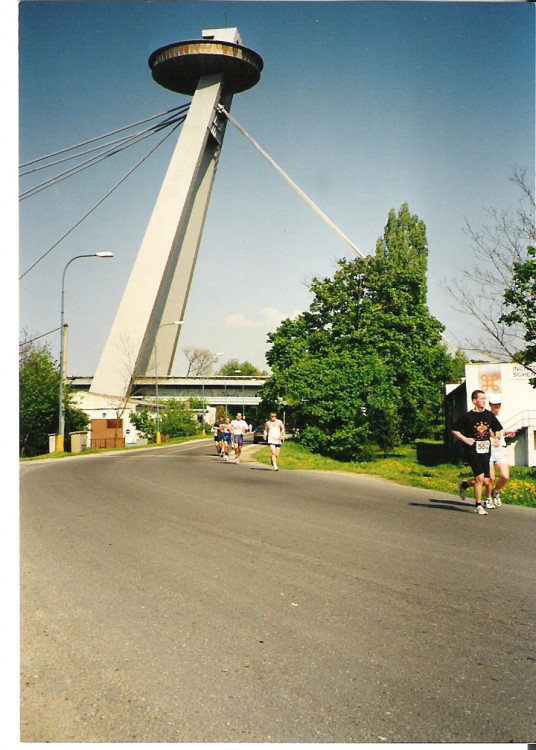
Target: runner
<point>240,427</point>
<point>274,431</point>
<point>498,458</point>
<point>218,436</point>
<point>476,429</point>
<point>227,431</point>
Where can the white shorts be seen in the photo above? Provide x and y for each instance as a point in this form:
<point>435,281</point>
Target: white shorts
<point>498,455</point>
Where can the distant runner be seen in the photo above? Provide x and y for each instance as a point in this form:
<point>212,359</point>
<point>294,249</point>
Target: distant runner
<point>218,436</point>
<point>274,431</point>
<point>239,427</point>
<point>227,431</point>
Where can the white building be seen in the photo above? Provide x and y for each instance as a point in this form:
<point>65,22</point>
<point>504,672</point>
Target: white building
<point>103,407</point>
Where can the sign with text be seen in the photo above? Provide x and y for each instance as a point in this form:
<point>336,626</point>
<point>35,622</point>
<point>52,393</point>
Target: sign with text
<point>519,372</point>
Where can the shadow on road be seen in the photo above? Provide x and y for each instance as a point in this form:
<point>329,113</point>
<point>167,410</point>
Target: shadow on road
<point>445,505</point>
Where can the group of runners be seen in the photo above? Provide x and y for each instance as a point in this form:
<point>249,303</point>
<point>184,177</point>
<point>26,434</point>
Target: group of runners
<point>229,436</point>
<point>484,442</point>
<point>479,429</point>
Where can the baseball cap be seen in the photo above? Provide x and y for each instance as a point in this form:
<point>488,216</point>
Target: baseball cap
<point>495,399</point>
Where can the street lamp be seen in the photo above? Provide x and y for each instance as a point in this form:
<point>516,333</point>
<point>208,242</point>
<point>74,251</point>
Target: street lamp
<point>218,354</point>
<point>60,440</point>
<point>238,372</point>
<point>175,323</point>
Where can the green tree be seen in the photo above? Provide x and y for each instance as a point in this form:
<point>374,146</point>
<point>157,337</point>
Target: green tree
<point>520,300</point>
<point>177,421</point>
<point>145,424</point>
<point>246,368</point>
<point>39,383</point>
<point>365,364</point>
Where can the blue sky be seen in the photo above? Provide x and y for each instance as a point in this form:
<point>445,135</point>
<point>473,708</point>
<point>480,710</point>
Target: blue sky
<point>365,105</point>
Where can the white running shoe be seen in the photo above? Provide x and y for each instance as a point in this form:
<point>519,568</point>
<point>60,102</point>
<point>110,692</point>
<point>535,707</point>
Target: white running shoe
<point>497,500</point>
<point>489,504</point>
<point>236,461</point>
<point>462,489</point>
<point>480,510</point>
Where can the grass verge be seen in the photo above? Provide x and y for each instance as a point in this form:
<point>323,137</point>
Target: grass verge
<point>401,466</point>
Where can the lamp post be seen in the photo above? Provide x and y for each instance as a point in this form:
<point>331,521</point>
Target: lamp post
<point>238,372</point>
<point>226,376</point>
<point>175,323</point>
<point>218,354</point>
<point>60,439</point>
<point>204,408</point>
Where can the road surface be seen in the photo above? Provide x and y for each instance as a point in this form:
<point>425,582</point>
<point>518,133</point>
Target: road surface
<point>168,596</point>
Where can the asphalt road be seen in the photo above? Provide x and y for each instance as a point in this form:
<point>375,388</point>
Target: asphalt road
<point>168,596</point>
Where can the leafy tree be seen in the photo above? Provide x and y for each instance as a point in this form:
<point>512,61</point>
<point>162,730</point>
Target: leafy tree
<point>196,403</point>
<point>365,364</point>
<point>145,424</point>
<point>520,300</point>
<point>458,366</point>
<point>177,421</point>
<point>39,384</point>
<point>246,368</point>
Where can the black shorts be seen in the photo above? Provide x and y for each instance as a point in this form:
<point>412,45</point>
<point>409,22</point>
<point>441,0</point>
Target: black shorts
<point>479,463</point>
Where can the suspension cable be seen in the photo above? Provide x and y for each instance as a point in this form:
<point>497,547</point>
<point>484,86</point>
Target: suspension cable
<point>105,135</point>
<point>117,143</point>
<point>100,201</point>
<point>35,338</point>
<point>300,192</point>
<point>134,140</point>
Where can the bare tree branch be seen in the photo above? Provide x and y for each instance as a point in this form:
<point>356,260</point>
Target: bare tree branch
<point>200,361</point>
<point>479,292</point>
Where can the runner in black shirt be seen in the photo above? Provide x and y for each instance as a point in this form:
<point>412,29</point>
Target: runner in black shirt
<point>475,429</point>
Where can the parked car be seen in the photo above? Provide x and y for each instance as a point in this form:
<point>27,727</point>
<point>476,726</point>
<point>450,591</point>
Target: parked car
<point>258,434</point>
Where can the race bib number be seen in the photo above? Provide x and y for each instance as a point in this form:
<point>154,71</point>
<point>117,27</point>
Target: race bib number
<point>483,446</point>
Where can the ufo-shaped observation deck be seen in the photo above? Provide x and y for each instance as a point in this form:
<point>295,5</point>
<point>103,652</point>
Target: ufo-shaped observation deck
<point>179,66</point>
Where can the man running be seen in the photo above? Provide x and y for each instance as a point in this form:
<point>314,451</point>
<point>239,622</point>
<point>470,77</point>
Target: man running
<point>227,431</point>
<point>275,434</point>
<point>498,458</point>
<point>476,429</point>
<point>218,436</point>
<point>239,427</point>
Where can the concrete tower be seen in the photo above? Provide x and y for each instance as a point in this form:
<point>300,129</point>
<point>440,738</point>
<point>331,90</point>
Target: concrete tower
<point>211,70</point>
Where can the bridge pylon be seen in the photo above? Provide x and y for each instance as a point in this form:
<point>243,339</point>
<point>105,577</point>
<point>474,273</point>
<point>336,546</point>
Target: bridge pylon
<point>211,70</point>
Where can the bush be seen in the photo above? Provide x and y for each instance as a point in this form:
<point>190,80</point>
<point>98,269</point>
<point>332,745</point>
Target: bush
<point>346,444</point>
<point>39,382</point>
<point>432,453</point>
<point>518,492</point>
<point>145,424</point>
<point>177,421</point>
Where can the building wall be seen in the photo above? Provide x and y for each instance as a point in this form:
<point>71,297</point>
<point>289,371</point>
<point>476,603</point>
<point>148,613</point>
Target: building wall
<point>102,407</point>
